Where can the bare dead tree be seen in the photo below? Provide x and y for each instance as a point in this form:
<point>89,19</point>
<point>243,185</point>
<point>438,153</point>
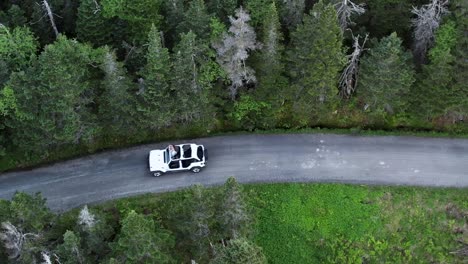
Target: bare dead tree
<point>86,218</point>
<point>425,24</point>
<point>13,239</point>
<point>233,51</point>
<point>50,14</point>
<point>349,78</point>
<point>345,9</point>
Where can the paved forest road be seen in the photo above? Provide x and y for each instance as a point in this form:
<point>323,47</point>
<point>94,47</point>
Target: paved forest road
<point>252,158</point>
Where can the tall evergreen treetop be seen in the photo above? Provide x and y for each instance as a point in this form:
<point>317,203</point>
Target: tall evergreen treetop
<point>386,76</point>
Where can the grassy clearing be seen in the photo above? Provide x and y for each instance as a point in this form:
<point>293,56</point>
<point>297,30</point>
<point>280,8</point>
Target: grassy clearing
<point>336,223</point>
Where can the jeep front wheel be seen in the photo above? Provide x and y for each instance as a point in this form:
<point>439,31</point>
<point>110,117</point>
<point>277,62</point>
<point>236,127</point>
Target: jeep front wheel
<point>196,170</point>
<point>157,173</point>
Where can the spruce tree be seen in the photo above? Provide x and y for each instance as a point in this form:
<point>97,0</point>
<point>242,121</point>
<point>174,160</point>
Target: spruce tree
<point>56,98</point>
<point>459,110</point>
<point>222,8</point>
<point>141,241</point>
<point>14,17</point>
<point>70,251</point>
<point>234,218</point>
<point>189,94</point>
<point>196,19</point>
<point>139,15</point>
<point>316,56</point>
<point>155,103</point>
<point>117,108</point>
<point>239,250</point>
<point>431,94</point>
<point>91,26</point>
<point>386,77</point>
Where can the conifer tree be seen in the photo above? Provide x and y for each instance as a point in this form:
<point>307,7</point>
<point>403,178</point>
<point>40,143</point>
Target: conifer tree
<point>141,241</point>
<point>234,218</point>
<point>154,102</point>
<point>91,26</point>
<point>434,84</point>
<point>196,19</point>
<point>222,8</point>
<point>70,251</point>
<point>190,95</point>
<point>56,96</point>
<point>239,250</point>
<point>316,57</point>
<point>386,77</point>
<point>116,105</point>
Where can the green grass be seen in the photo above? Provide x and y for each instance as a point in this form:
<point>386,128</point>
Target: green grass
<point>337,223</point>
<point>330,223</point>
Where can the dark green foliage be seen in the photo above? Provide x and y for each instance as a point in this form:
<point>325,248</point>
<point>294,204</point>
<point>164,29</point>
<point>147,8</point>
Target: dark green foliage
<point>141,241</point>
<point>239,251</point>
<point>117,107</point>
<point>434,85</point>
<point>459,111</point>
<point>14,17</point>
<point>29,212</point>
<point>315,58</point>
<point>70,251</point>
<point>55,97</point>
<point>91,26</point>
<point>272,88</point>
<point>197,20</point>
<point>222,8</point>
<point>234,217</point>
<point>155,104</point>
<point>386,77</point>
<point>18,48</point>
<point>189,95</point>
<point>139,15</point>
<point>258,10</point>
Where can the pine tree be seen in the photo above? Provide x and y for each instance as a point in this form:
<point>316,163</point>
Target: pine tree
<point>198,227</point>
<point>222,8</point>
<point>291,12</point>
<point>386,77</point>
<point>239,250</point>
<point>196,19</point>
<point>459,110</point>
<point>234,218</point>
<point>70,251</point>
<point>258,10</point>
<point>155,103</point>
<point>139,15</point>
<point>187,91</point>
<point>117,108</point>
<point>316,57</point>
<point>55,97</point>
<point>141,241</point>
<point>433,88</point>
<point>272,85</point>
<point>91,26</point>
<point>14,17</point>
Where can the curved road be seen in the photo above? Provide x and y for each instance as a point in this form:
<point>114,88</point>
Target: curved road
<point>252,158</point>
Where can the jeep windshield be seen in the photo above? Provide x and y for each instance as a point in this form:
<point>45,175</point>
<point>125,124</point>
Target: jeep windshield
<point>166,155</point>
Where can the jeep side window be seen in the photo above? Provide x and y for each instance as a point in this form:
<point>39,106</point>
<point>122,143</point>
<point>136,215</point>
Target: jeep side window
<point>186,163</point>
<point>174,164</point>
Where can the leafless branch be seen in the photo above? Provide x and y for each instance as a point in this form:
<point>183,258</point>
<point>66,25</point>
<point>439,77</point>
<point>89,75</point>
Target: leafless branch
<point>345,9</point>
<point>48,10</point>
<point>425,24</point>
<point>349,78</point>
<point>13,239</point>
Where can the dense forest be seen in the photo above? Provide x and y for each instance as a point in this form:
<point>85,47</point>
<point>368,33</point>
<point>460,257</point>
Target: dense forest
<point>77,76</point>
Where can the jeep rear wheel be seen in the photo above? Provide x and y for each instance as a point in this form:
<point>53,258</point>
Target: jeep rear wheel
<point>157,173</point>
<point>196,170</point>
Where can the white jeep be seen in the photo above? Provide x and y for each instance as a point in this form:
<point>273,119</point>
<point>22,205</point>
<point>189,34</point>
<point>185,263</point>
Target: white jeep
<point>183,157</point>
